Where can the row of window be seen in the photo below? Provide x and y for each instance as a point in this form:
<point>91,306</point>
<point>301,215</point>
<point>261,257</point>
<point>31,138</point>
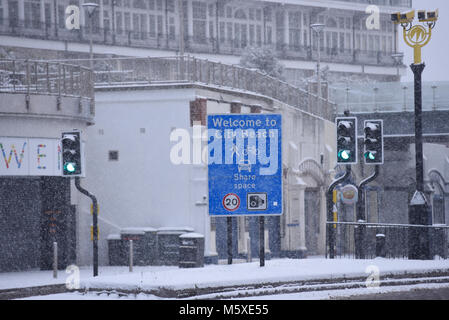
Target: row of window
<point>238,26</point>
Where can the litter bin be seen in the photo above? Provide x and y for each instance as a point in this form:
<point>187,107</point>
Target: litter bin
<point>168,244</point>
<point>380,245</point>
<point>138,237</point>
<point>191,250</point>
<point>117,255</point>
<point>150,247</point>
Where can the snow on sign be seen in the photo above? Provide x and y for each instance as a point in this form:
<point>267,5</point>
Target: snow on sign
<point>245,164</point>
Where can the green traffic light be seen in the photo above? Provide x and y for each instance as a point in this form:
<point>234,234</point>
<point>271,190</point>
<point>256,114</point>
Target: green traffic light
<point>70,167</point>
<point>370,155</point>
<point>344,155</point>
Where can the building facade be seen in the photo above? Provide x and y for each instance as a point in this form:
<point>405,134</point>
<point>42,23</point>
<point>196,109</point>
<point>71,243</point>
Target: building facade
<point>351,46</point>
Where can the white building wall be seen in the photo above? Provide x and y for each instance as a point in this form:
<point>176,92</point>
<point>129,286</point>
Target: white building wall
<point>143,188</point>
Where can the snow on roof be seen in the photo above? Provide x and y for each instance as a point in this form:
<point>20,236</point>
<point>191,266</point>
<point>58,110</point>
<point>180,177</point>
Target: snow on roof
<point>168,230</point>
<point>113,237</point>
<point>191,235</point>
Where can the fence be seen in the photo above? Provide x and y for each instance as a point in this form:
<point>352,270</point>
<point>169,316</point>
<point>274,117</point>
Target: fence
<point>154,70</point>
<point>43,77</point>
<point>387,240</point>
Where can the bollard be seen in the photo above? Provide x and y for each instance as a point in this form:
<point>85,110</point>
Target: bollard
<point>131,255</point>
<point>248,247</point>
<point>380,245</point>
<point>55,260</point>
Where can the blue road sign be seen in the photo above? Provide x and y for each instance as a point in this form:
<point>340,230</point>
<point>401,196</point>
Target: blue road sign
<point>245,164</point>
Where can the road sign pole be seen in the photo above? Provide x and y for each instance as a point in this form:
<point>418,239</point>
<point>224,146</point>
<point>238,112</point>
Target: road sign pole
<point>262,240</point>
<point>95,223</point>
<point>359,234</point>
<point>229,232</point>
<point>330,238</point>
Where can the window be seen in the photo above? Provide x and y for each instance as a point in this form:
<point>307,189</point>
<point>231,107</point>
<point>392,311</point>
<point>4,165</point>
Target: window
<point>152,26</point>
<point>113,155</point>
<point>32,12</point>
<point>228,12</point>
<point>139,4</point>
<point>258,14</point>
<point>251,14</point>
<point>251,34</point>
<point>199,21</point>
<point>267,14</point>
<point>159,5</point>
<point>119,22</point>
<point>222,32</point>
<point>106,21</point>
<point>294,21</point>
<point>170,5</point>
<point>127,17</point>
<point>229,31</point>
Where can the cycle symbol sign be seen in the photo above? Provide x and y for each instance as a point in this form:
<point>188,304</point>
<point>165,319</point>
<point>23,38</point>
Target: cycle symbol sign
<point>231,202</point>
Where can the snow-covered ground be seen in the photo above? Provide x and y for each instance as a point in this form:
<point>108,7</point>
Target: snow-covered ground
<point>151,278</point>
<point>276,270</point>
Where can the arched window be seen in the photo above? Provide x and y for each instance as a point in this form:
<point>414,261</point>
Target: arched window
<point>240,14</point>
<point>331,23</point>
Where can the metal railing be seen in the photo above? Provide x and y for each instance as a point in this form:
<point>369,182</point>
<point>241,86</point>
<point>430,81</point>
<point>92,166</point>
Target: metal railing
<point>186,69</point>
<point>388,96</point>
<point>386,239</point>
<point>44,77</point>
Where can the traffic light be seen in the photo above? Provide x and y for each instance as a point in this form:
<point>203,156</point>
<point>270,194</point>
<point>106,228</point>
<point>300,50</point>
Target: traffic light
<point>373,141</point>
<point>346,140</point>
<point>71,153</point>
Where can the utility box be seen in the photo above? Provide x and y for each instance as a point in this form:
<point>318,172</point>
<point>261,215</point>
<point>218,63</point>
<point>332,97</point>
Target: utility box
<point>116,252</point>
<point>168,244</point>
<point>191,250</point>
<point>150,252</point>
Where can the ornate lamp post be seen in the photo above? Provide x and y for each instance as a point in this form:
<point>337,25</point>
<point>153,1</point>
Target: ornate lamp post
<point>318,28</point>
<point>420,213</point>
<point>90,7</point>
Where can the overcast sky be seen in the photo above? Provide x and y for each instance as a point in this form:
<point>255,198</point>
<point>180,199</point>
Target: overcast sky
<point>436,54</point>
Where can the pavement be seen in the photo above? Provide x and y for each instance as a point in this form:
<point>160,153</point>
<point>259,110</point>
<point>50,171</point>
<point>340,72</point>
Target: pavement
<point>229,281</point>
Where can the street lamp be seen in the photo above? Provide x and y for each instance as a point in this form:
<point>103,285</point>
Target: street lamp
<point>416,37</point>
<point>90,8</point>
<point>398,58</point>
<point>318,28</point>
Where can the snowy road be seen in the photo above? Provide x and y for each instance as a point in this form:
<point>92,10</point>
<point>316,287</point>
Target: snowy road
<point>405,292</point>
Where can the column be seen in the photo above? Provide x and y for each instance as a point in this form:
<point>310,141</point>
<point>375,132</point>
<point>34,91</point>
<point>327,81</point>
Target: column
<point>302,250</point>
<point>189,19</point>
<point>21,6</point>
<point>323,218</point>
<point>286,30</point>
<point>42,12</point>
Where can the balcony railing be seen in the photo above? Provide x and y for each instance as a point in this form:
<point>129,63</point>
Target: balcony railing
<point>155,40</point>
<point>44,77</point>
<point>182,69</point>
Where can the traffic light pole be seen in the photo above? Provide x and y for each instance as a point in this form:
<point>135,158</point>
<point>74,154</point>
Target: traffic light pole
<point>95,223</point>
<point>419,210</point>
<point>330,239</point>
<point>359,232</point>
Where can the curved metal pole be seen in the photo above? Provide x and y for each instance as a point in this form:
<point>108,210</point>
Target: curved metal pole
<point>361,199</point>
<point>359,232</point>
<point>95,223</point>
<point>330,239</point>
